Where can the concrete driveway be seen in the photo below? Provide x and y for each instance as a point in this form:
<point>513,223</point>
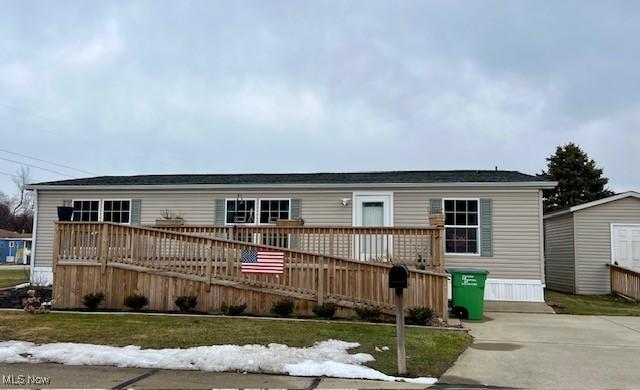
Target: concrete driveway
<point>546,351</point>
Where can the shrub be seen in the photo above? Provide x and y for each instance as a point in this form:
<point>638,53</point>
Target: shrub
<point>186,303</point>
<point>92,300</point>
<point>326,310</point>
<point>420,315</point>
<point>136,302</point>
<point>283,307</point>
<point>233,310</point>
<point>371,314</point>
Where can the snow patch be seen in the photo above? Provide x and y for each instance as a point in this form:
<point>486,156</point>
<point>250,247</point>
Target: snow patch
<point>326,358</point>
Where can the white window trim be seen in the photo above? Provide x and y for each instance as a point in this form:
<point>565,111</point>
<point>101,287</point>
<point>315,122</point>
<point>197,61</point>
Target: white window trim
<point>478,240</point>
<point>259,209</point>
<point>116,199</point>
<point>12,244</point>
<point>73,201</point>
<point>101,208</point>
<point>255,219</point>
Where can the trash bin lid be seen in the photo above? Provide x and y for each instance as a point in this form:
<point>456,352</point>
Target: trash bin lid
<point>467,270</point>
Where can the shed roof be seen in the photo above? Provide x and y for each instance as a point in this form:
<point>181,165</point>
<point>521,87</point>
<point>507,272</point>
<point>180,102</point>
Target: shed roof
<point>582,206</point>
<point>279,179</point>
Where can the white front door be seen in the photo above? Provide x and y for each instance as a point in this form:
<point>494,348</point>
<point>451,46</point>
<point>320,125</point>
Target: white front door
<point>625,246</point>
<point>373,209</point>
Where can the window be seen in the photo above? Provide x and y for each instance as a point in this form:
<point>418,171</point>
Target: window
<point>241,211</point>
<point>461,224</point>
<point>113,210</point>
<point>273,209</point>
<point>12,244</point>
<point>86,210</point>
<point>117,211</point>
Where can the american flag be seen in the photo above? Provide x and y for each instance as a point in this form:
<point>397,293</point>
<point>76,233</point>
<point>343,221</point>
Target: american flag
<point>262,262</point>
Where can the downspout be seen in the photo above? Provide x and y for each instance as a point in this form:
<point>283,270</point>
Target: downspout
<point>541,233</point>
<point>34,232</point>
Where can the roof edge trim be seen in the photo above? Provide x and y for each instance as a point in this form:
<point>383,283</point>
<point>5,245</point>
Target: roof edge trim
<point>612,198</point>
<point>533,184</point>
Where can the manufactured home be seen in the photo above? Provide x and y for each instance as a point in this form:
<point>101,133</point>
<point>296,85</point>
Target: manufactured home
<point>583,242</point>
<point>493,219</point>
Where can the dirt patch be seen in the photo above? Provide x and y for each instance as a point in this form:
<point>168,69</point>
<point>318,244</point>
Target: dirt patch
<point>34,330</point>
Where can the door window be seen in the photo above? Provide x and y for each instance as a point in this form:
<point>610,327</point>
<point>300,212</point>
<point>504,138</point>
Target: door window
<point>372,214</point>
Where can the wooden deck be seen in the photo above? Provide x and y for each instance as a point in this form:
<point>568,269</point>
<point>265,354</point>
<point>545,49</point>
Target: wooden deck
<point>119,260</point>
<point>399,245</point>
<point>625,282</point>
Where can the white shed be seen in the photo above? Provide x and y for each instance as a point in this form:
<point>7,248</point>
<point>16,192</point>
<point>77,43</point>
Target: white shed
<point>581,241</point>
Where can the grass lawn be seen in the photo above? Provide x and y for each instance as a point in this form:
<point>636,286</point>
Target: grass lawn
<point>611,305</point>
<point>11,277</point>
<point>429,352</point>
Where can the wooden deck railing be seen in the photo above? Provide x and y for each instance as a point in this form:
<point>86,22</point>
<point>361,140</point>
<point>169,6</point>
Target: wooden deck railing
<point>625,282</point>
<point>217,260</point>
<point>412,246</point>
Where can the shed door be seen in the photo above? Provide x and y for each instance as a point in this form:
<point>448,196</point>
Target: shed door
<point>626,246</point>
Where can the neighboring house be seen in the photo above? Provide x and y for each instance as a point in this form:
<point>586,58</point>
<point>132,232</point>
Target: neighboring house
<point>580,241</point>
<point>15,248</point>
<point>494,218</point>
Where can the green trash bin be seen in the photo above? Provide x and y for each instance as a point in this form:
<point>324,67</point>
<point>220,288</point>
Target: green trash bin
<point>467,291</point>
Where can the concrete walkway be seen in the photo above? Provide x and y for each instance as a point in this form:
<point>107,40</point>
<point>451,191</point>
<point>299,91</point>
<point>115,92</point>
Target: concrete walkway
<point>62,376</point>
<point>550,351</point>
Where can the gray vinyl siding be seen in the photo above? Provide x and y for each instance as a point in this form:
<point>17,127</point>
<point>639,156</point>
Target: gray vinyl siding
<point>559,253</point>
<point>593,242</point>
<point>516,223</point>
<point>516,229</point>
<point>196,207</point>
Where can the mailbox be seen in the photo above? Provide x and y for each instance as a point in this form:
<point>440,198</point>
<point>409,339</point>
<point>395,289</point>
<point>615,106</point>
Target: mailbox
<point>398,277</point>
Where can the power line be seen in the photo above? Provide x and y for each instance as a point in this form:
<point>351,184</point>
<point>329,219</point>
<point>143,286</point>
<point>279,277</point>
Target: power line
<point>48,162</point>
<point>37,167</point>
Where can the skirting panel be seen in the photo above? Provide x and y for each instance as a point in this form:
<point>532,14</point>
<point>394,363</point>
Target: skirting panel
<point>41,276</point>
<point>516,290</point>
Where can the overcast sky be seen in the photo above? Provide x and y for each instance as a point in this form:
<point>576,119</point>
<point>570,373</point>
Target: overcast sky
<point>116,88</point>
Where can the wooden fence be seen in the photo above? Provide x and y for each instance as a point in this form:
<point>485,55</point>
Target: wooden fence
<point>87,247</point>
<point>399,245</point>
<point>625,282</point>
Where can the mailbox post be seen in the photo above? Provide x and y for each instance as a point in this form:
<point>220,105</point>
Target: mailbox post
<point>399,280</point>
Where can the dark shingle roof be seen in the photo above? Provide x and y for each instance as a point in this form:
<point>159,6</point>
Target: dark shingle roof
<point>400,177</point>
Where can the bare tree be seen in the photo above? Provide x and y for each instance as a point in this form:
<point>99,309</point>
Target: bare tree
<point>24,199</point>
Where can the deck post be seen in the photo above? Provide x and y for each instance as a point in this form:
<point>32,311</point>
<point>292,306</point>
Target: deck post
<point>321,281</point>
<point>104,247</point>
<point>437,220</point>
<point>209,266</point>
<point>56,248</point>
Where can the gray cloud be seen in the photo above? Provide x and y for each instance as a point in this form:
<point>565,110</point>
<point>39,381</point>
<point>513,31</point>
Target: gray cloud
<point>124,88</point>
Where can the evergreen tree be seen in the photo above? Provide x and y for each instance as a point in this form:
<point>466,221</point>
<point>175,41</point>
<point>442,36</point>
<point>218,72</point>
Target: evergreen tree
<point>579,179</point>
